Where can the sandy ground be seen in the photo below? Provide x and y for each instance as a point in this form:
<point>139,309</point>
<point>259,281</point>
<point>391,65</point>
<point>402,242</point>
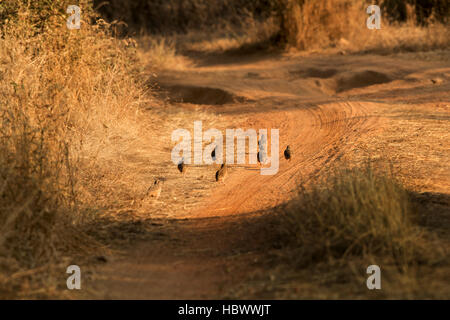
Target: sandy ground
<point>327,108</point>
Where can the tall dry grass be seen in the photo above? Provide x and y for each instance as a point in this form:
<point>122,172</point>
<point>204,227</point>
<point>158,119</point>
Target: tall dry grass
<point>201,26</point>
<point>355,213</point>
<point>314,25</point>
<point>63,94</point>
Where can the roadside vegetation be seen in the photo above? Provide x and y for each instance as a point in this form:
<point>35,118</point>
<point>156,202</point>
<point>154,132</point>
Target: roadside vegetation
<point>255,26</point>
<point>62,95</point>
<point>353,218</point>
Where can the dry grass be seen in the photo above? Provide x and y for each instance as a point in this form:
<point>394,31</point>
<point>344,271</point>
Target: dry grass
<point>175,51</point>
<point>160,53</point>
<point>64,96</point>
<point>320,244</point>
<point>313,25</point>
<point>302,24</point>
<point>253,36</point>
<point>354,212</point>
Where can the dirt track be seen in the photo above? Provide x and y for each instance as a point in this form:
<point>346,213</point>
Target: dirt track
<point>320,104</point>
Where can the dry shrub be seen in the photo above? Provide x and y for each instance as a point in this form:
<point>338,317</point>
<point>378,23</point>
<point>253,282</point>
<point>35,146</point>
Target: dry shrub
<point>303,24</point>
<point>317,24</point>
<point>160,53</point>
<point>353,212</point>
<point>62,94</point>
<point>311,25</point>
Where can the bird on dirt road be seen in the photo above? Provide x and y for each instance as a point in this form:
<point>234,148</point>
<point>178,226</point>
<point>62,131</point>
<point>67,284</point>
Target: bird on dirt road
<point>261,155</point>
<point>154,191</point>
<point>182,167</point>
<point>287,153</point>
<point>213,154</point>
<point>221,173</point>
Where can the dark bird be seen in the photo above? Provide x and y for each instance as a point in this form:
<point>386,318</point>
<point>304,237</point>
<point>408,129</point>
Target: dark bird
<point>287,153</point>
<point>101,259</point>
<point>182,167</point>
<point>221,173</point>
<point>213,154</point>
<point>261,155</point>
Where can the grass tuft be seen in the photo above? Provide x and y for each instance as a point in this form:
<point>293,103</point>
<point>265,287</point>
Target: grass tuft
<point>353,212</point>
<point>314,25</point>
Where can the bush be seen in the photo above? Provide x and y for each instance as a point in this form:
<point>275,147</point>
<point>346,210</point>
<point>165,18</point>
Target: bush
<point>59,90</point>
<point>353,212</point>
<point>310,25</point>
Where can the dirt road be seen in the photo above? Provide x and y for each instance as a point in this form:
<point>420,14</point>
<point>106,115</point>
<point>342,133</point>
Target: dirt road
<point>321,104</point>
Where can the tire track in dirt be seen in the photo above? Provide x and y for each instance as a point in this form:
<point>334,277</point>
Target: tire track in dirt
<point>316,136</point>
<point>194,257</point>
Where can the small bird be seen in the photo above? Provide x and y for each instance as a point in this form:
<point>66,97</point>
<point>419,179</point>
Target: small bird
<point>221,173</point>
<point>261,155</point>
<point>287,153</point>
<point>154,191</point>
<point>213,154</point>
<point>182,167</point>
